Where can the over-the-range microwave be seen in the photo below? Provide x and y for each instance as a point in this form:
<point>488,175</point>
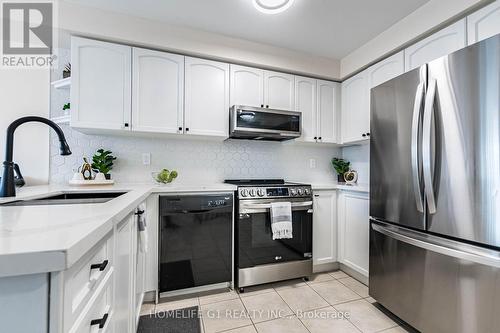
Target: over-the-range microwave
<point>248,122</point>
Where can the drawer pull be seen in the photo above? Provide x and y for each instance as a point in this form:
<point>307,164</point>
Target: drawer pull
<point>101,266</point>
<point>101,322</point>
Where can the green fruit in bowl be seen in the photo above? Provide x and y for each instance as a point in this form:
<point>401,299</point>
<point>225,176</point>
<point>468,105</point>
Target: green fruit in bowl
<point>165,176</point>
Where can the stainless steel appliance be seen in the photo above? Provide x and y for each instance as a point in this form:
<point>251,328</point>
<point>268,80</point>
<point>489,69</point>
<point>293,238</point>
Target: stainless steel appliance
<point>435,192</point>
<point>195,234</point>
<point>248,122</point>
<point>259,258</point>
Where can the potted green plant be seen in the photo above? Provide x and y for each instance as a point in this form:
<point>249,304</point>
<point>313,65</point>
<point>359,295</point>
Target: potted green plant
<point>102,161</point>
<point>67,107</point>
<point>341,166</point>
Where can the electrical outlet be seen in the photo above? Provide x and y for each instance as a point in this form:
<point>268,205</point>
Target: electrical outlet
<point>146,158</point>
<point>312,163</point>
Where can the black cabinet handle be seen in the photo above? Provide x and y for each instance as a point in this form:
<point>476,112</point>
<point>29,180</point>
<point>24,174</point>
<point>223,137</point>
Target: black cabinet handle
<point>101,266</point>
<point>187,129</point>
<point>180,128</point>
<point>367,134</point>
<point>363,135</point>
<point>126,124</point>
<point>319,138</point>
<point>101,322</point>
<point>315,138</point>
<point>262,105</point>
<point>267,106</point>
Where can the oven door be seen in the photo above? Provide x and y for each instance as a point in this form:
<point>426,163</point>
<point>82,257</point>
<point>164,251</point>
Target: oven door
<point>251,122</point>
<point>255,244</point>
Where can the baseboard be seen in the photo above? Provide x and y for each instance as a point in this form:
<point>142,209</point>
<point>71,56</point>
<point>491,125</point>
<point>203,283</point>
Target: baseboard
<point>331,266</point>
<point>354,273</point>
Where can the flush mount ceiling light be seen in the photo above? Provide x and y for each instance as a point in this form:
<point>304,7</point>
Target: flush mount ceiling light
<point>272,6</point>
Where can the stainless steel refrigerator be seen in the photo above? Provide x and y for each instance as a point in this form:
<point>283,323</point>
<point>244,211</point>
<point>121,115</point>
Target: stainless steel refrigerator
<point>435,193</point>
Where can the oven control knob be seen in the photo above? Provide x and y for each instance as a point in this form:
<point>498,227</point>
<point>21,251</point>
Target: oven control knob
<point>252,192</point>
<point>300,191</point>
<point>261,192</point>
<point>244,192</point>
<point>307,191</point>
<point>293,191</point>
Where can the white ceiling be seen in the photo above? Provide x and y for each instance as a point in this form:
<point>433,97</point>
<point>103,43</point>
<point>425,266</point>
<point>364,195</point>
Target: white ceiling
<point>329,28</point>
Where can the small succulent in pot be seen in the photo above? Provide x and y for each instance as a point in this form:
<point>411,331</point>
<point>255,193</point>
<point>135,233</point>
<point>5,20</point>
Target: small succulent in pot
<point>67,71</point>
<point>341,166</point>
<point>102,161</point>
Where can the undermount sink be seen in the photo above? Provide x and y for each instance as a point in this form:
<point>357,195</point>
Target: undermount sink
<point>68,199</point>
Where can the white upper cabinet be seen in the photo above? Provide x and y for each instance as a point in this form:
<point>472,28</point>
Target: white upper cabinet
<point>206,97</point>
<point>247,86</point>
<point>157,91</point>
<point>305,102</point>
<point>443,42</point>
<point>325,227</point>
<point>355,116</point>
<point>386,69</point>
<point>100,84</point>
<point>354,230</point>
<point>328,102</point>
<point>279,91</point>
<point>484,23</point>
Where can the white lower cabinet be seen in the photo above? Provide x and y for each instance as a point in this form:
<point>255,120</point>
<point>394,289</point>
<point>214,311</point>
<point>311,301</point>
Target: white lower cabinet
<point>354,226</point>
<point>124,296</point>
<point>325,227</point>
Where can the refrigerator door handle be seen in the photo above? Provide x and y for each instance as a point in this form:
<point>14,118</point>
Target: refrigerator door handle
<point>417,192</point>
<point>446,247</point>
<point>426,146</point>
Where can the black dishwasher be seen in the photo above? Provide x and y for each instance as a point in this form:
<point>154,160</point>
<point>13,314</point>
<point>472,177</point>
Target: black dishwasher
<point>195,234</point>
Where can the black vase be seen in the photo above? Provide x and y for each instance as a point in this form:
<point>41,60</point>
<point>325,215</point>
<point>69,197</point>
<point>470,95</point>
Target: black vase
<point>107,176</point>
<point>340,179</point>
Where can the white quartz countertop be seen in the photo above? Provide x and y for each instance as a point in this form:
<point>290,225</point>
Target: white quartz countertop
<point>332,185</point>
<point>37,239</point>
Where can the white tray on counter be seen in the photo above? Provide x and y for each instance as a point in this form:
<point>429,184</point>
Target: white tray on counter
<point>91,182</point>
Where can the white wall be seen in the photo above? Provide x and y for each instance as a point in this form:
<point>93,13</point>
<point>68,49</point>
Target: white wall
<point>425,19</point>
<point>97,23</point>
<point>25,92</point>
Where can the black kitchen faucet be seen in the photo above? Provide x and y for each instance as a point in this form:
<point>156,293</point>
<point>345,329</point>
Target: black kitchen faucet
<point>7,185</point>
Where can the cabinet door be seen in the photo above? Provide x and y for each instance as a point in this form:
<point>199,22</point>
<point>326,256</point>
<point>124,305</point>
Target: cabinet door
<point>325,227</point>
<point>305,102</point>
<point>279,91</point>
<point>100,84</point>
<point>354,231</point>
<point>386,69</point>
<point>328,103</point>
<point>124,298</point>
<point>247,86</point>
<point>206,98</point>
<point>484,23</point>
<point>355,108</point>
<point>443,42</point>
<point>157,91</point>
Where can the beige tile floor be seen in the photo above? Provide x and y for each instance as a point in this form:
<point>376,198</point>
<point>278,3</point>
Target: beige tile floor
<point>328,302</point>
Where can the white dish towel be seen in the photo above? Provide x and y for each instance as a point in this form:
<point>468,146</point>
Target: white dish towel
<point>281,220</point>
<point>142,228</point>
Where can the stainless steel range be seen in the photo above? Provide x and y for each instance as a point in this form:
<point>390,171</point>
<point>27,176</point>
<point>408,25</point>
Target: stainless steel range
<point>258,258</point>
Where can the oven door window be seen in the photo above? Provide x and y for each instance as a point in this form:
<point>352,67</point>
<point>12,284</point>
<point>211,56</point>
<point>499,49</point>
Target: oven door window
<point>257,247</point>
<point>268,121</point>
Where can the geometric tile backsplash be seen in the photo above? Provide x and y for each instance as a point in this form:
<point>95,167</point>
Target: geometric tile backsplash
<point>196,160</point>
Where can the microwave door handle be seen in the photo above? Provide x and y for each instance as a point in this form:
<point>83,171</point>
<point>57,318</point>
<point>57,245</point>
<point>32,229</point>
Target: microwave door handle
<point>427,146</point>
<point>417,192</point>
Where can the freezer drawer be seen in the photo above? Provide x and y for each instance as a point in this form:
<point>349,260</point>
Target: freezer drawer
<point>435,285</point>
